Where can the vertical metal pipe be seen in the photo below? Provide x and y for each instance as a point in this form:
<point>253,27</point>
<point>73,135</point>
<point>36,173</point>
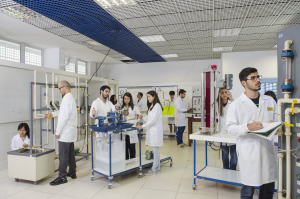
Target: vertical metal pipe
<point>109,155</point>
<point>194,143</point>
<point>140,148</point>
<point>202,100</point>
<point>30,117</point>
<point>205,153</point>
<point>92,150</point>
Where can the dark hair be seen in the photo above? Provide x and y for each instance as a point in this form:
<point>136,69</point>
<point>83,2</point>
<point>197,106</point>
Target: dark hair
<point>171,93</point>
<point>141,94</point>
<point>112,99</point>
<point>104,87</point>
<point>222,103</point>
<point>26,127</point>
<point>131,101</point>
<point>272,94</point>
<point>245,72</point>
<point>155,101</point>
<point>181,91</point>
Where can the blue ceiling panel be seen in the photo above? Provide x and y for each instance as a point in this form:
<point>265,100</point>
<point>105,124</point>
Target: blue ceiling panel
<point>91,20</point>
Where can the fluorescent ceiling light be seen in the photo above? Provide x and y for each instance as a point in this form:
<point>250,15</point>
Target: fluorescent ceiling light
<point>222,49</point>
<point>226,32</point>
<point>111,3</point>
<point>169,55</point>
<point>93,43</point>
<point>14,13</point>
<point>275,46</point>
<point>125,58</point>
<point>153,38</point>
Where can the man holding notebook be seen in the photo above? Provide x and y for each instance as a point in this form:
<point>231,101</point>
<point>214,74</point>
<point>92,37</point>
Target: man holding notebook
<point>256,155</point>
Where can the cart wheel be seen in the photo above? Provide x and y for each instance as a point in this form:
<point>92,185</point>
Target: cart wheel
<point>17,179</point>
<point>171,164</point>
<point>92,178</point>
<point>87,158</point>
<point>140,176</point>
<point>35,182</point>
<point>194,187</point>
<point>109,186</point>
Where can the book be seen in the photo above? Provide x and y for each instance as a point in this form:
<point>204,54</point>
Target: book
<point>268,130</point>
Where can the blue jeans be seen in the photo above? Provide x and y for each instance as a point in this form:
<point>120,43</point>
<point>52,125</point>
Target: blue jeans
<point>156,159</point>
<point>180,130</point>
<point>233,157</point>
<point>266,191</point>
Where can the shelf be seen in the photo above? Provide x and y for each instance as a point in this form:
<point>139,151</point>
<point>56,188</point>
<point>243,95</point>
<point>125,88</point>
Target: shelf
<point>219,137</point>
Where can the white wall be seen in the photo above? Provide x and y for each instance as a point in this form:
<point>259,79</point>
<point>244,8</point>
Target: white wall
<point>14,86</point>
<point>185,74</point>
<point>264,61</point>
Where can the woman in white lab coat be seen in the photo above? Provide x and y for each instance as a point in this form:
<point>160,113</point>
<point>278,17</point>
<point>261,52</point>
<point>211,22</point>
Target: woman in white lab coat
<point>131,111</point>
<point>227,148</point>
<point>154,126</point>
<point>22,139</point>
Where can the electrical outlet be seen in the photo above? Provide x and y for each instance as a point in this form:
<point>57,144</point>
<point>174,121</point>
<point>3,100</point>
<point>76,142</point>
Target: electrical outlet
<point>297,164</point>
<point>298,134</point>
<point>297,124</point>
<point>298,190</point>
<point>298,182</point>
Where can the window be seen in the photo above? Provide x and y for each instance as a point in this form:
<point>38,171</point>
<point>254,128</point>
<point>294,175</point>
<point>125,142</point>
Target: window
<point>9,51</point>
<point>268,85</point>
<point>70,67</point>
<point>81,67</point>
<point>33,56</point>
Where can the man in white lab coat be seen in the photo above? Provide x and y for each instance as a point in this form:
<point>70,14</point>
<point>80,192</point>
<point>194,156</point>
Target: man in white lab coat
<point>139,102</point>
<point>66,133</point>
<point>256,155</point>
<point>102,105</point>
<point>180,116</point>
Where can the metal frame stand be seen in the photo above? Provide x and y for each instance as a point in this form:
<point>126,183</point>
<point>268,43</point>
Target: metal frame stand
<point>111,176</point>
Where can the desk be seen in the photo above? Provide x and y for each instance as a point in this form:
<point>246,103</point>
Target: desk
<point>190,128</point>
<point>212,173</point>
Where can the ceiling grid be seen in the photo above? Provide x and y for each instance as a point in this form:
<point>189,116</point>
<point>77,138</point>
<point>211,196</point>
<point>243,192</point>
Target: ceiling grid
<point>189,27</point>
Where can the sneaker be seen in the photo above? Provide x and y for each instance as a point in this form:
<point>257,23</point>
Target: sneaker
<point>150,173</point>
<point>58,181</point>
<point>158,171</point>
<point>73,176</point>
<point>184,144</point>
<point>180,145</point>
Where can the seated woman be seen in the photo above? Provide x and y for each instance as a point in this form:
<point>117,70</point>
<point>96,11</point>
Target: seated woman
<point>22,139</point>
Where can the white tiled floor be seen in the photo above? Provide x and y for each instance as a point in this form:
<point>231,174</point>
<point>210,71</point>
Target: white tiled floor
<point>172,182</point>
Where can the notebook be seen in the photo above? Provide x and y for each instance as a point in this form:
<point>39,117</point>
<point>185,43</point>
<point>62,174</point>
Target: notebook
<point>268,130</point>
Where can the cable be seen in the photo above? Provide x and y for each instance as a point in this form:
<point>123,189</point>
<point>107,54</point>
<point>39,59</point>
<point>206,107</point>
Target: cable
<point>288,150</point>
<point>108,50</point>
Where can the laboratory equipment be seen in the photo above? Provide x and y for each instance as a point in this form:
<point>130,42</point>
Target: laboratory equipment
<point>30,166</point>
<point>196,101</point>
<point>111,162</point>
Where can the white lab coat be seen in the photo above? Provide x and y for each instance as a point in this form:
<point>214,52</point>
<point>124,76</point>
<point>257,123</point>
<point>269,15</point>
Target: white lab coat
<point>67,119</point>
<point>222,118</point>
<point>154,127</point>
<point>171,120</point>
<point>140,104</point>
<point>256,155</point>
<point>133,134</point>
<point>101,107</point>
<point>180,115</point>
<point>17,142</point>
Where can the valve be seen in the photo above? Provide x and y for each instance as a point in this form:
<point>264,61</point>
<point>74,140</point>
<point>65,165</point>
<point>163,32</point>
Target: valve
<point>293,104</point>
<point>287,124</point>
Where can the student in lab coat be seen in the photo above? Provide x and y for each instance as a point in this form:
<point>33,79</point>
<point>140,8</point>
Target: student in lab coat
<point>154,126</point>
<point>272,94</point>
<point>180,117</point>
<point>113,99</point>
<point>102,105</point>
<point>171,120</point>
<point>132,136</point>
<point>139,102</point>
<point>66,134</point>
<point>22,140</point>
<point>256,155</point>
<point>226,99</point>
